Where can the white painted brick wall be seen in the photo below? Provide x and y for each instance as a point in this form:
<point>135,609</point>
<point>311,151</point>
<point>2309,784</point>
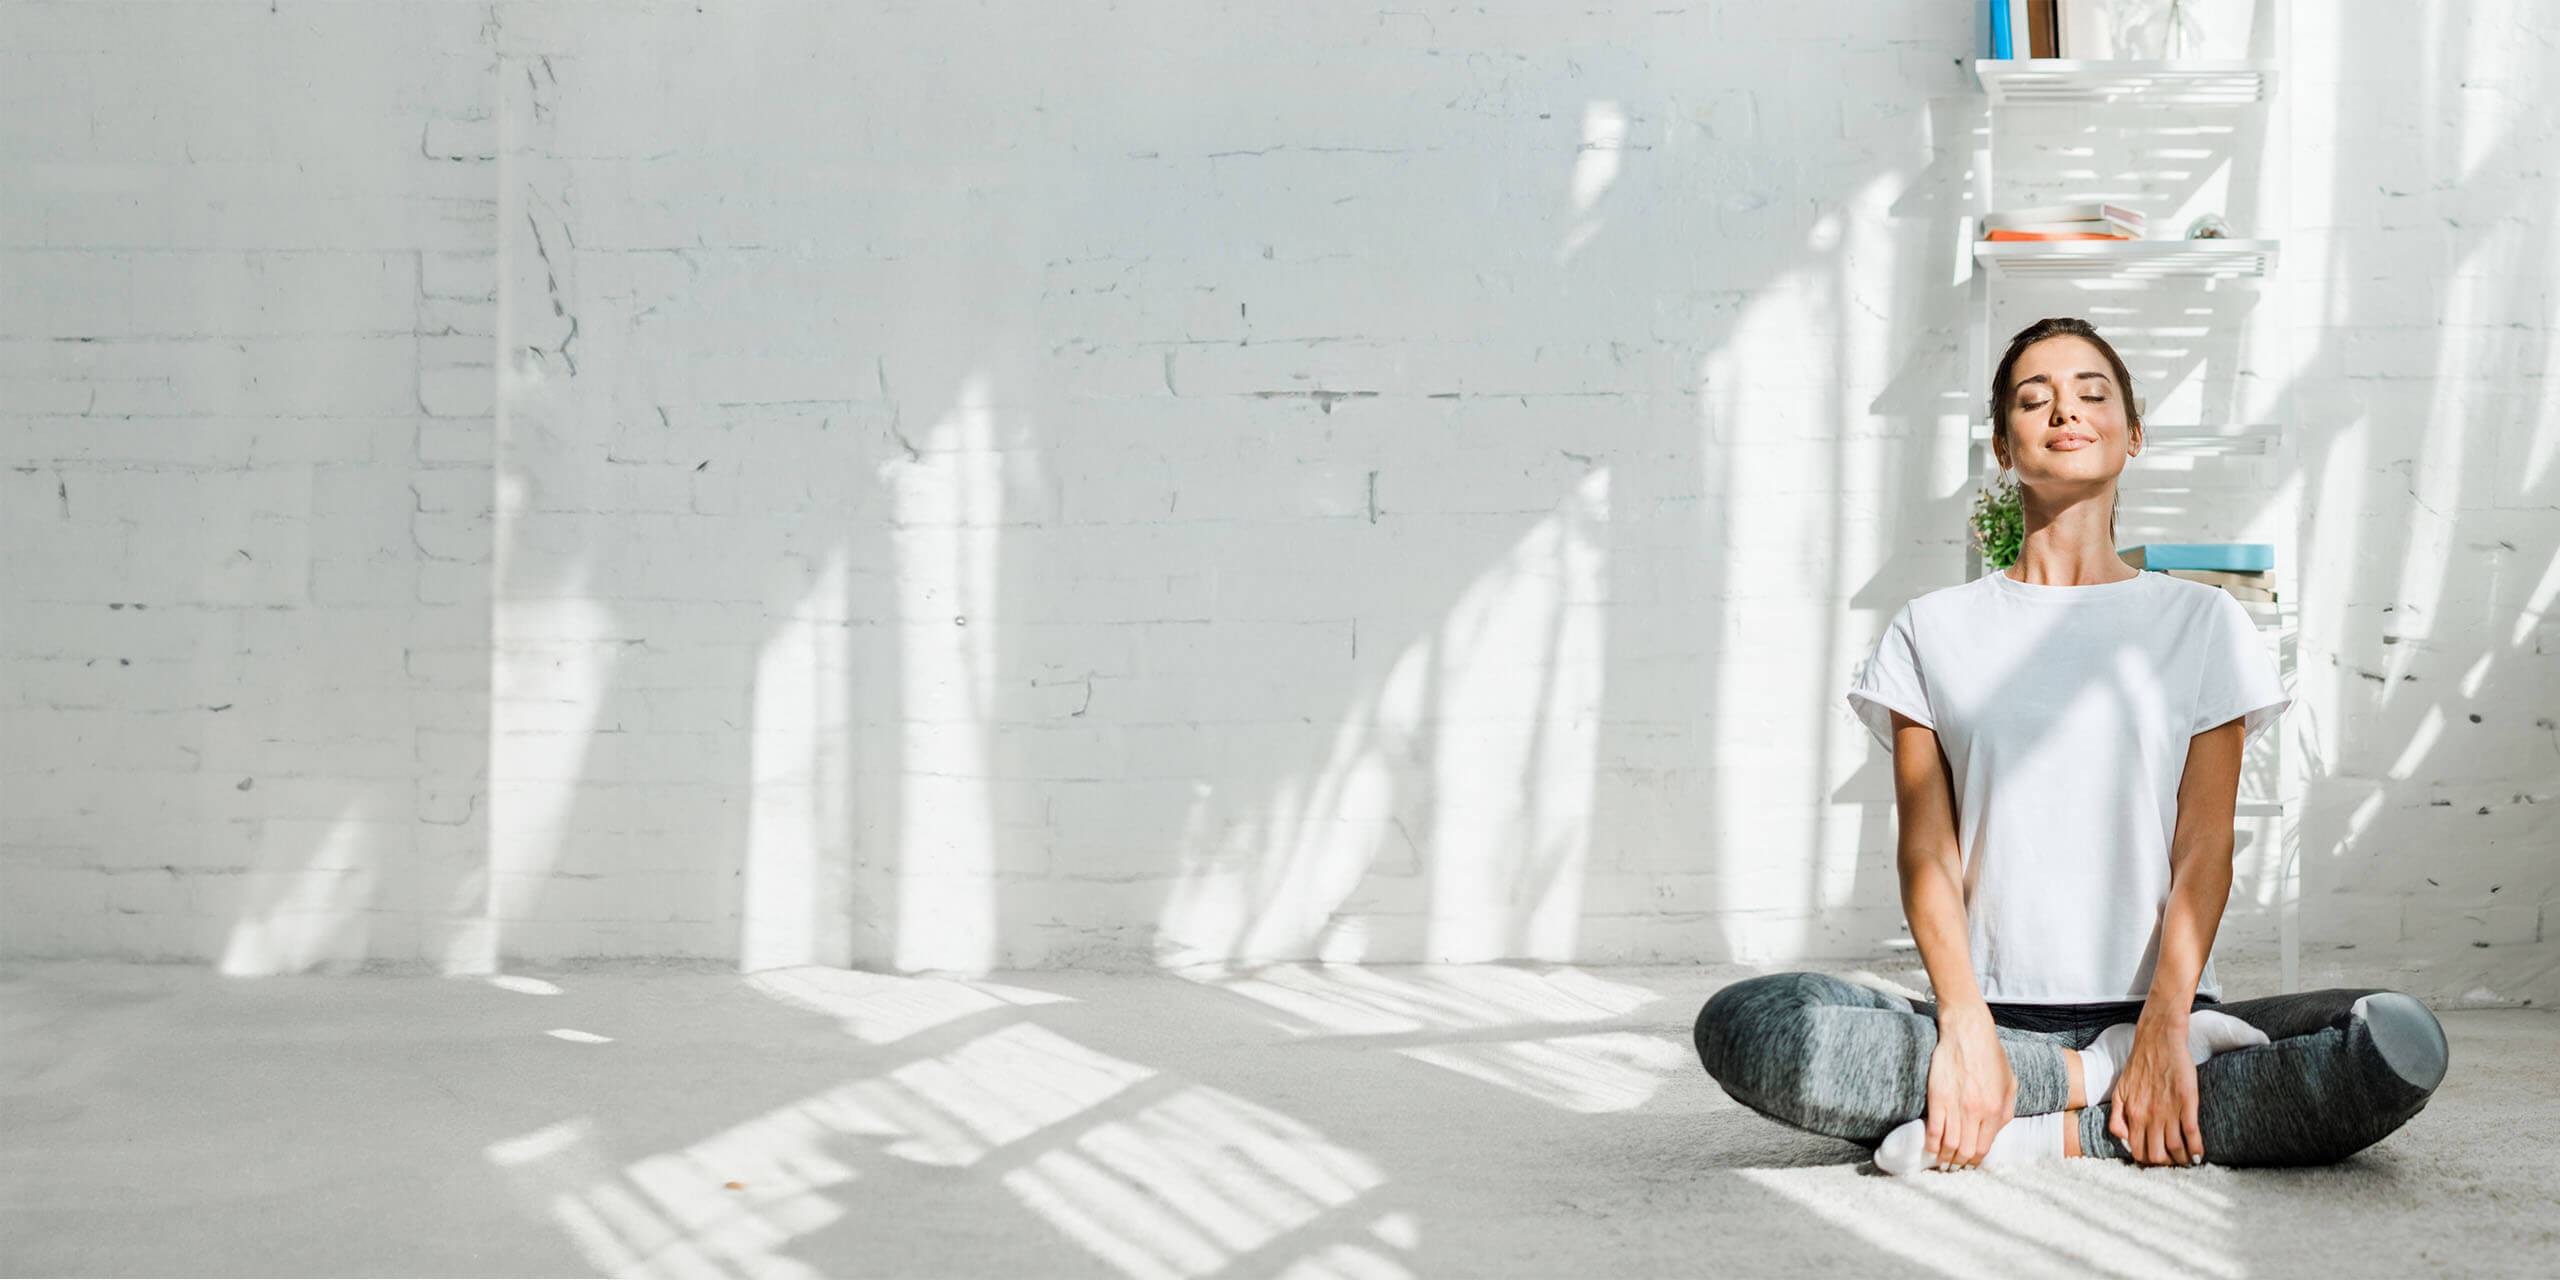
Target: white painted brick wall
<point>232,279</point>
<point>1039,484</point>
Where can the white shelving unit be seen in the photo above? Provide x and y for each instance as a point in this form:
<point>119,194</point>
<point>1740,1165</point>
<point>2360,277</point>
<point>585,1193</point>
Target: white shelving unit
<point>2187,82</point>
<point>2124,259</point>
<point>2013,84</point>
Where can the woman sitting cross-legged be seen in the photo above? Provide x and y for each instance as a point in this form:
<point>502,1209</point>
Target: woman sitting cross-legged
<point>2066,740</point>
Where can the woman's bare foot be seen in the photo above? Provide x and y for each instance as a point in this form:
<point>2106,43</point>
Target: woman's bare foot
<point>2078,1075</point>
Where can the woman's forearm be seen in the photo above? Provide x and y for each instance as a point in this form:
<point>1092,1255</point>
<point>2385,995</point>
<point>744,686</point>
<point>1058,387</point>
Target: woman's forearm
<point>2199,891</point>
<point>1933,901</point>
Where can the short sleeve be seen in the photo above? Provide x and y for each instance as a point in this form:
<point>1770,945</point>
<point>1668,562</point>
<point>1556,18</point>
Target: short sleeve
<point>2240,680</point>
<point>1892,682</point>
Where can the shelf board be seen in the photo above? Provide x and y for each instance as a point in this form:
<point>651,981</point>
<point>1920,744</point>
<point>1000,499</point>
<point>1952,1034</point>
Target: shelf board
<point>2177,82</point>
<point>2190,439</point>
<point>2273,615</point>
<point>2124,259</point>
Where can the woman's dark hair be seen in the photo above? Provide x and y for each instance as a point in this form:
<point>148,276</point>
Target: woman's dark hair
<point>2002,386</point>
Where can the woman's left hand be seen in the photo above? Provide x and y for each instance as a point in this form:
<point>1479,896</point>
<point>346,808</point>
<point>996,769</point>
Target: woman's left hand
<point>2154,1103</point>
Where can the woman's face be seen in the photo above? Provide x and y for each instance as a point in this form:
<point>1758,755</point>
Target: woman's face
<point>2066,415</point>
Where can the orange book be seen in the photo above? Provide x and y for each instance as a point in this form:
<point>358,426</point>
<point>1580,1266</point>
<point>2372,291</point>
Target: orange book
<point>2043,29</point>
<point>2050,235</point>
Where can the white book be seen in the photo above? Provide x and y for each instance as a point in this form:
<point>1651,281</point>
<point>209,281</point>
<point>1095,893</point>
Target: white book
<point>2096,210</point>
<point>2086,226</point>
<point>2086,29</point>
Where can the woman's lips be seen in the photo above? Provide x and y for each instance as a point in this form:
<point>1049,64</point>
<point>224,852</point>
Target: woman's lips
<point>2069,442</point>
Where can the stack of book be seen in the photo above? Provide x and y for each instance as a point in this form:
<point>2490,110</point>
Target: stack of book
<point>2094,220</point>
<point>2240,568</point>
<point>2081,30</point>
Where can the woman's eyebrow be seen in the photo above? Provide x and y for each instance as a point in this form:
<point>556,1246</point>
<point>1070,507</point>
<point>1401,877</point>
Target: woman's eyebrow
<point>2085,373</point>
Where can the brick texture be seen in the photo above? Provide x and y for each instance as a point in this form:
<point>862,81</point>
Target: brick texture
<point>1020,484</point>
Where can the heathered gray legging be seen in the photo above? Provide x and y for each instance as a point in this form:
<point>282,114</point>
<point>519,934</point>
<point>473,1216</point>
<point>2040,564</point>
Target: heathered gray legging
<point>2343,1067</point>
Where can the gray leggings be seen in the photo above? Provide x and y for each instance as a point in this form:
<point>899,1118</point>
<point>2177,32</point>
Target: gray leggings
<point>2343,1067</point>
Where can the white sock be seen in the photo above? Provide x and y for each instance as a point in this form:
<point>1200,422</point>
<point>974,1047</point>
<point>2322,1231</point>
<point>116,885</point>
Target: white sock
<point>2024,1140</point>
<point>2219,1032</point>
<point>2209,1031</point>
<point>2099,1061</point>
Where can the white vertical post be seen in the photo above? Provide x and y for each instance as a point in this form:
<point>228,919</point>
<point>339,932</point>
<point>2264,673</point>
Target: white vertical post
<point>2290,782</point>
<point>1977,346</point>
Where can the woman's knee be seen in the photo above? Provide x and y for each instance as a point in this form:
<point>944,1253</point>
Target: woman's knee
<point>2404,1034</point>
<point>2335,1091</point>
<point>1747,1013</point>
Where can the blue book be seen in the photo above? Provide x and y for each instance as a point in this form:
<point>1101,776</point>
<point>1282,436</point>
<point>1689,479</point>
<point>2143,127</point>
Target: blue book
<point>2000,43</point>
<point>2235,557</point>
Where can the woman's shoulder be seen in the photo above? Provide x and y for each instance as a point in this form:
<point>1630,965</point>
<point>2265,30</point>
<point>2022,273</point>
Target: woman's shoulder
<point>1955,597</point>
<point>2191,597</point>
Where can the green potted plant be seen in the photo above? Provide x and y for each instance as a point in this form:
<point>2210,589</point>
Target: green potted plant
<point>1999,522</point>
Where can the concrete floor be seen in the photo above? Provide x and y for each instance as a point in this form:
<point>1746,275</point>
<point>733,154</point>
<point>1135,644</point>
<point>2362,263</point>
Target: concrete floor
<point>1299,1121</point>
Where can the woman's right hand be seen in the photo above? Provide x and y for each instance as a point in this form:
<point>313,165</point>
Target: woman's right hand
<point>1971,1089</point>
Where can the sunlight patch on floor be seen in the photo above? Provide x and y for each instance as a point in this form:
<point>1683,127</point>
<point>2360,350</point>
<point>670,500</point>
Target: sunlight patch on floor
<point>1153,1175</point>
<point>2030,1220</point>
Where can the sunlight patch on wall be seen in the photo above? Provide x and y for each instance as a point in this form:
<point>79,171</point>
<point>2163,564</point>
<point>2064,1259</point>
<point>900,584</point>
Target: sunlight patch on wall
<point>2490,61</point>
<point>1485,854</point>
<point>2313,127</point>
<point>1276,888</point>
<point>1754,396</point>
<point>313,915</point>
<point>947,502</point>
<point>2422,740</point>
<point>1596,161</point>
<point>1522,662</point>
<point>2432,474</point>
<point>798,892</point>
<point>2538,604</point>
<point>2543,447</point>
<point>552,661</point>
<point>2336,520</point>
<point>1782,421</point>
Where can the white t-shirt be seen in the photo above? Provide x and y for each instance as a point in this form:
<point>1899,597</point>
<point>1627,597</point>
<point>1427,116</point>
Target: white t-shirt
<point>2065,714</point>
